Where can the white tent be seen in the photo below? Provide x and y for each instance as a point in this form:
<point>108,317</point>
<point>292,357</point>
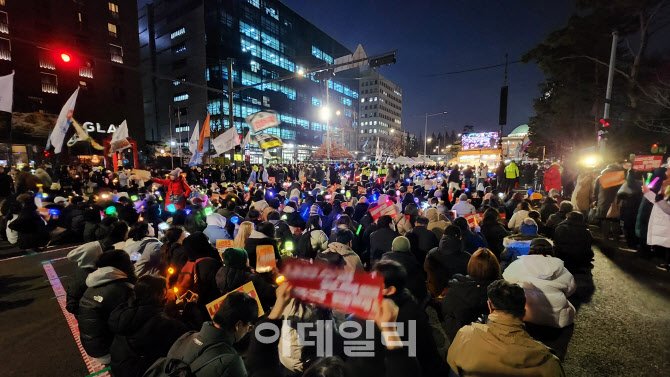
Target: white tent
<point>402,160</point>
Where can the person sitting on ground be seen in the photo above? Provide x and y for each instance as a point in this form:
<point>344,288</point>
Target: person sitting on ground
<point>313,240</point>
<point>108,286</point>
<point>517,218</point>
<point>541,228</point>
<point>236,272</point>
<point>172,254</point>
<point>144,249</point>
<point>143,332</point>
<point>472,240</point>
<point>547,284</point>
<point>463,207</point>
<point>549,207</point>
<point>421,239</point>
<point>381,240</point>
<point>519,244</point>
<point>436,224</point>
<point>416,276</point>
<point>573,240</point>
<point>465,301</point>
<point>502,346</point>
<point>342,246</point>
<point>558,217</point>
<point>30,226</point>
<point>446,260</point>
<point>493,231</point>
<point>216,229</point>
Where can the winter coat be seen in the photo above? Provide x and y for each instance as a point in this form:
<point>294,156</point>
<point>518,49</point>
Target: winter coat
<point>381,241</point>
<point>90,229</point>
<point>216,229</point>
<point>436,225</point>
<point>572,243</point>
<point>464,303</point>
<point>547,210</point>
<point>517,219</point>
<point>516,246</point>
<point>501,347</point>
<point>553,221</point>
<point>547,284</point>
<point>147,253</point>
<point>494,233</point>
<point>416,276</point>
<point>472,241</point>
<point>196,221</point>
<point>31,228</point>
<point>581,196</point>
<point>255,239</point>
<point>176,187</point>
<point>605,195</point>
<point>658,233</point>
<point>552,178</point>
<point>422,240</point>
<point>318,240</point>
<point>143,334</point>
<point>351,259</point>
<point>230,278</point>
<point>107,288</point>
<point>214,342</point>
<point>463,207</point>
<point>445,261</point>
<point>85,256</point>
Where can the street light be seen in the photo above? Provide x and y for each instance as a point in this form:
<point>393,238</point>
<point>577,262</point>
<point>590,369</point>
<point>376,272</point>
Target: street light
<point>338,113</point>
<point>425,140</point>
<point>429,139</point>
<point>325,113</point>
<point>301,71</point>
<point>173,143</point>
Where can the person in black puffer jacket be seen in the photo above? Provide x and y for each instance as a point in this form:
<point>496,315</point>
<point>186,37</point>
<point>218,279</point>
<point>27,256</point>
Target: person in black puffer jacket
<point>143,332</point>
<point>236,272</point>
<point>108,286</point>
<point>30,226</point>
<point>263,235</point>
<point>493,231</point>
<point>446,260</point>
<point>466,298</point>
<point>416,277</point>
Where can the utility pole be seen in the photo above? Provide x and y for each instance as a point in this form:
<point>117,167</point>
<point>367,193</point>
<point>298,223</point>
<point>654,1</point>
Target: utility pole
<point>608,94</point>
<point>231,117</point>
<point>502,118</point>
<point>170,116</point>
<point>328,119</point>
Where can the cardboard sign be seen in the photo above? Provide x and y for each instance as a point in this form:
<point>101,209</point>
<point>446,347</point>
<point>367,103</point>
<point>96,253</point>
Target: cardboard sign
<point>359,292</point>
<point>247,288</point>
<point>474,219</point>
<point>265,258</point>
<point>388,208</point>
<point>272,180</point>
<point>647,163</point>
<point>362,190</point>
<point>222,245</point>
<point>615,178</point>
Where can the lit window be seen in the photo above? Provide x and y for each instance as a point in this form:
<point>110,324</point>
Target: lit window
<point>272,13</point>
<point>180,97</point>
<point>112,30</point>
<point>249,46</point>
<point>362,100</point>
<point>270,41</point>
<point>255,66</point>
<point>116,53</point>
<point>86,72</point>
<point>249,31</point>
<point>177,33</point>
<point>256,3</point>
<point>46,61</point>
<point>49,83</point>
<point>5,49</point>
<point>4,23</point>
<point>113,9</point>
<point>316,102</point>
<point>179,48</point>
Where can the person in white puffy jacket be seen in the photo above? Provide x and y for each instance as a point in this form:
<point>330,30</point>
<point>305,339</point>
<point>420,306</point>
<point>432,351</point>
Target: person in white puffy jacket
<point>547,284</point>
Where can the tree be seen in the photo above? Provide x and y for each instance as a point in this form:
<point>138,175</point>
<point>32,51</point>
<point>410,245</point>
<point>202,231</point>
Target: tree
<point>337,152</point>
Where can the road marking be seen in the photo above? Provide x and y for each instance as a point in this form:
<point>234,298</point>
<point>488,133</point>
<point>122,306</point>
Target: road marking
<point>91,364</point>
<point>40,253</point>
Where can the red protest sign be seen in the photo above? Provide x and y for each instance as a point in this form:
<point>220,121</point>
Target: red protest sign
<point>647,163</point>
<point>473,219</point>
<point>265,258</point>
<point>356,292</point>
<point>362,190</point>
<point>272,180</point>
<point>387,208</point>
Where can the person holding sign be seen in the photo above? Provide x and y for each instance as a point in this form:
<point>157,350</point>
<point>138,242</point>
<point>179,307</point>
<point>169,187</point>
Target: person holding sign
<point>236,272</point>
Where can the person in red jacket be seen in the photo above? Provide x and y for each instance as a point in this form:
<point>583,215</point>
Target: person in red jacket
<point>552,177</point>
<point>177,189</point>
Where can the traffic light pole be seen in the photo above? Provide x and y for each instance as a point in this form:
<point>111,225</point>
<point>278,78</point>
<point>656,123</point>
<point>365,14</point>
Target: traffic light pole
<point>608,94</point>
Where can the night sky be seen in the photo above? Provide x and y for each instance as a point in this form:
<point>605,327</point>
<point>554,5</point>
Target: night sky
<point>435,37</point>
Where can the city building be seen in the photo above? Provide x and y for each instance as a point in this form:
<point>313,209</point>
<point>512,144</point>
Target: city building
<point>186,44</point>
<point>56,46</point>
<point>513,143</point>
<point>380,113</point>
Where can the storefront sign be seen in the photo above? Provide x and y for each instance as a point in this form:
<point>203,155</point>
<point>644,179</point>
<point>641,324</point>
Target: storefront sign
<point>97,127</point>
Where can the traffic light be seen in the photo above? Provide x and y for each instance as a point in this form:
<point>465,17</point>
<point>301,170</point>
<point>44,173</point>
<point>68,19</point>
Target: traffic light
<point>382,60</point>
<point>605,122</point>
<point>46,153</point>
<point>65,57</point>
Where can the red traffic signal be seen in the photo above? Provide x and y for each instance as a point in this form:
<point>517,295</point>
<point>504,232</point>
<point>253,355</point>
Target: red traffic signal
<point>605,122</point>
<point>65,57</point>
<point>654,145</point>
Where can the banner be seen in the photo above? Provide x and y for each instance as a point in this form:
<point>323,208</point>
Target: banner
<point>362,190</point>
<point>120,137</point>
<point>262,120</point>
<point>6,92</point>
<point>388,208</point>
<point>63,123</point>
<point>357,292</point>
<point>265,258</point>
<point>222,245</point>
<point>268,141</point>
<point>193,141</point>
<point>647,163</point>
<point>248,288</point>
<point>226,141</point>
<point>204,133</point>
<point>615,178</point>
<point>474,219</point>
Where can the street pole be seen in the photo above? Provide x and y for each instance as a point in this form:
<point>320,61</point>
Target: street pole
<point>328,119</point>
<point>231,117</point>
<point>608,95</point>
<point>179,123</point>
<point>503,109</point>
<point>170,116</point>
<point>425,136</point>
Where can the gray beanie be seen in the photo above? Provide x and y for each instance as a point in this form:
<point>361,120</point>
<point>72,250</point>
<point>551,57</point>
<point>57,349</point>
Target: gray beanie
<point>400,244</point>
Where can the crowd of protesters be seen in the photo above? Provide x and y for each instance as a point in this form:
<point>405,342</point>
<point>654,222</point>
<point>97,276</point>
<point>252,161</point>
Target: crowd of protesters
<point>481,267</point>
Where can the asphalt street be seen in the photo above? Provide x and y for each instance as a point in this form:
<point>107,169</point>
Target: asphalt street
<point>622,326</point>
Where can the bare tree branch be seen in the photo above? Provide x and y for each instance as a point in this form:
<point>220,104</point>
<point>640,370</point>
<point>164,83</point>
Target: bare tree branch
<point>622,73</point>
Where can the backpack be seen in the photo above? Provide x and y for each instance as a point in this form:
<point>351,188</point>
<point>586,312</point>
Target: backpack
<point>188,277</point>
<point>170,367</point>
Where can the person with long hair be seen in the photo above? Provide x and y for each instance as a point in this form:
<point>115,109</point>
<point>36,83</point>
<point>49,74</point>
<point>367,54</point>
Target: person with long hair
<point>493,231</point>
<point>243,234</point>
<point>172,255</point>
<point>144,248</point>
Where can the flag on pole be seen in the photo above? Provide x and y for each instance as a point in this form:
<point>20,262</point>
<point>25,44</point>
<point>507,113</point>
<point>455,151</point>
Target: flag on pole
<point>204,132</point>
<point>247,139</point>
<point>6,92</point>
<point>120,137</point>
<point>525,143</point>
<point>63,123</point>
<point>196,159</point>
<point>193,142</point>
<point>226,141</point>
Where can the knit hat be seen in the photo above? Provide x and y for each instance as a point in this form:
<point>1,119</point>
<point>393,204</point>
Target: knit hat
<point>235,257</point>
<point>541,246</point>
<point>529,227</point>
<point>175,173</point>
<point>400,244</point>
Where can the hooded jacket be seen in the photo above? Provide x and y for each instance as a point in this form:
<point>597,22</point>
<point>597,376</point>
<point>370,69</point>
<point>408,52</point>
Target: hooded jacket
<point>464,303</point>
<point>547,284</point>
<point>147,254</point>
<point>572,242</point>
<point>255,239</point>
<point>581,196</point>
<point>494,234</point>
<point>436,225</point>
<point>516,245</point>
<point>416,276</point>
<point>517,219</point>
<point>107,288</point>
<point>444,261</point>
<point>143,334</point>
<point>85,256</point>
<point>216,229</point>
<point>501,347</point>
<point>381,241</point>
<point>422,240</point>
<point>353,262</point>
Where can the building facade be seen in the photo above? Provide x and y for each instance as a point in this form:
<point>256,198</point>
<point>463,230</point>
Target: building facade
<point>186,44</point>
<point>380,110</point>
<point>55,47</point>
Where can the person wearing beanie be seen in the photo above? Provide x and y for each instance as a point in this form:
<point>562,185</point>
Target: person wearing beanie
<point>177,189</point>
<point>446,260</point>
<point>206,262</point>
<point>519,244</point>
<point>416,277</point>
<point>564,208</point>
<point>236,272</point>
<point>547,284</point>
<point>463,207</point>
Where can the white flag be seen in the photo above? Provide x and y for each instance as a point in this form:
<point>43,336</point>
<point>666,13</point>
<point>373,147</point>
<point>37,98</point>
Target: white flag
<point>6,92</point>
<point>247,139</point>
<point>226,141</point>
<point>63,123</point>
<point>120,137</point>
<point>193,142</point>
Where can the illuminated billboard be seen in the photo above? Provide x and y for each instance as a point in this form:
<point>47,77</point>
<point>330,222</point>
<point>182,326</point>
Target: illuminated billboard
<point>479,140</point>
